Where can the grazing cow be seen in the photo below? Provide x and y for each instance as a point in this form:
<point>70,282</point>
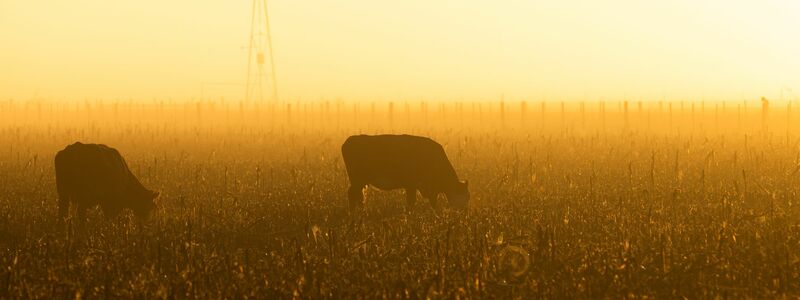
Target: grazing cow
<point>401,161</point>
<point>88,175</point>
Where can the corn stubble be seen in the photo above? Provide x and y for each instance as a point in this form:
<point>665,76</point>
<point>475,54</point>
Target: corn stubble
<point>586,201</point>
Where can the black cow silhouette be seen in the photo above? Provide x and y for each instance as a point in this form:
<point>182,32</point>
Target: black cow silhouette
<point>88,175</point>
<point>401,161</point>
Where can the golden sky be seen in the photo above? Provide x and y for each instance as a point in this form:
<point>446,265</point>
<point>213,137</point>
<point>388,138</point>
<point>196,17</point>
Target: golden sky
<point>410,49</point>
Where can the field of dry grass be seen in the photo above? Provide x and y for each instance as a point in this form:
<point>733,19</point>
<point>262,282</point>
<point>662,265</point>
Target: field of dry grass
<point>587,201</point>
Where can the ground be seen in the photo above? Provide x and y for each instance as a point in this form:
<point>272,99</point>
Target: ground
<point>249,211</point>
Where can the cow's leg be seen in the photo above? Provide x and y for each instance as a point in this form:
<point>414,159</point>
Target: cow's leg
<point>63,205</point>
<point>80,216</point>
<point>431,198</point>
<point>64,193</point>
<point>356,195</point>
<point>411,197</point>
<point>111,211</point>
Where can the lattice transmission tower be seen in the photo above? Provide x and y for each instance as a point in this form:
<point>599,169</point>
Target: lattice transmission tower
<point>259,54</point>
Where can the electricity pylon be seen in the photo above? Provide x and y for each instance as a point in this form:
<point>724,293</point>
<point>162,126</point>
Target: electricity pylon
<point>261,48</point>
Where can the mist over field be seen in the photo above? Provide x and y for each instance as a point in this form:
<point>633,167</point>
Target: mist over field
<point>589,201</point>
<point>416,149</point>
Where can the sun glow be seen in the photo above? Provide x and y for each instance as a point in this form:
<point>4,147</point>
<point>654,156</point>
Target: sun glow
<point>561,50</point>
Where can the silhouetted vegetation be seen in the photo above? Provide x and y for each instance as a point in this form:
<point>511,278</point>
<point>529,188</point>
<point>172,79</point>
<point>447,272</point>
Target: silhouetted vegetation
<point>584,201</point>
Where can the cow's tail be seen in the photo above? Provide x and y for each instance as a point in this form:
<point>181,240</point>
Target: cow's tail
<point>347,153</point>
<point>62,183</point>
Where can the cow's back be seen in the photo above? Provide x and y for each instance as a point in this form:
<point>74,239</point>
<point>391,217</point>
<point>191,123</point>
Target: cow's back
<point>89,169</point>
<point>393,161</point>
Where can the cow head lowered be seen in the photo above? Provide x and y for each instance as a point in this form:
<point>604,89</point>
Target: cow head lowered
<point>143,203</point>
<point>458,196</point>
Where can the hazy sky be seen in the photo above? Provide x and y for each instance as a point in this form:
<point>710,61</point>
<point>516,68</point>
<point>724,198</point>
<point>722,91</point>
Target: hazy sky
<point>410,49</point>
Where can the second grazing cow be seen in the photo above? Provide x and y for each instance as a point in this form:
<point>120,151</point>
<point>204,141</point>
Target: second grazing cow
<point>407,162</point>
